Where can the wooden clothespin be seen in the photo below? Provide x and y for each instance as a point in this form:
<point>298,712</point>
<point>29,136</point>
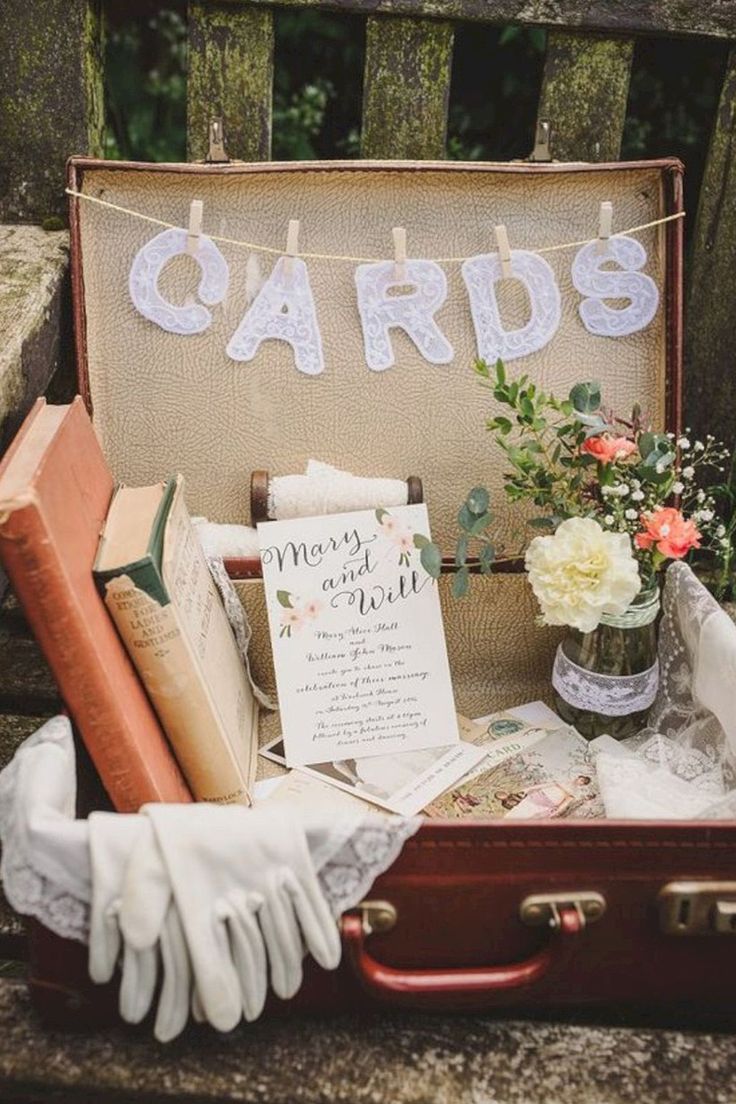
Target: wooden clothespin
<point>605,220</point>
<point>504,252</point>
<point>399,234</point>
<point>194,232</point>
<point>292,247</point>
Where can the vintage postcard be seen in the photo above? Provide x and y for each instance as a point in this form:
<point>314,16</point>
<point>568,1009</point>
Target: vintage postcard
<point>357,635</point>
<point>403,783</point>
<point>554,777</point>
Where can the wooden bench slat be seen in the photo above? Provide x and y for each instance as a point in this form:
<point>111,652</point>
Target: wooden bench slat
<point>51,102</point>
<point>710,353</point>
<point>231,78</point>
<point>709,18</point>
<point>406,88</point>
<point>585,88</point>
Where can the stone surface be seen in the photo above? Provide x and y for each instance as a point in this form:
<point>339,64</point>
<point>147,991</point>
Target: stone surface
<point>376,1059</point>
<point>33,264</point>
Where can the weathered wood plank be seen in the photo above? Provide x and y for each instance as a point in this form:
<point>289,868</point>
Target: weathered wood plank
<point>33,265</point>
<point>710,352</point>
<point>406,88</point>
<point>231,78</point>
<point>584,92</point>
<point>50,101</point>
<point>712,18</point>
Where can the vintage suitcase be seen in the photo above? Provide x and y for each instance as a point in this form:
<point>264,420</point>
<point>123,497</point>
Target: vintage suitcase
<point>472,915</point>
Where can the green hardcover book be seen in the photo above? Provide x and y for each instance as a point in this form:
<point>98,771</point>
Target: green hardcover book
<point>154,579</point>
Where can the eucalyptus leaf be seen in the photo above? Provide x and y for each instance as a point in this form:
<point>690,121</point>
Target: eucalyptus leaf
<point>460,583</point>
<point>420,541</point>
<point>284,599</point>
<point>465,519</point>
<point>586,397</point>
<point>486,557</point>
<point>477,501</point>
<point>480,524</point>
<point>461,551</point>
<point>431,558</point>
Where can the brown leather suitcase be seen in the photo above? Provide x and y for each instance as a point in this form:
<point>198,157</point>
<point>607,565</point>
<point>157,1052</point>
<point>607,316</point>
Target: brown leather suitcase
<point>473,915</point>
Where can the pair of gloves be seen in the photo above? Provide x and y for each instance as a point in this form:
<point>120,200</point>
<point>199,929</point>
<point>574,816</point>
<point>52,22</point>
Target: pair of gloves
<point>222,897</point>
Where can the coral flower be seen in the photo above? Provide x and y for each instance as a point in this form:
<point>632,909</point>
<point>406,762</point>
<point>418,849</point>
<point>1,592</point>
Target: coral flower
<point>606,449</point>
<point>668,531</point>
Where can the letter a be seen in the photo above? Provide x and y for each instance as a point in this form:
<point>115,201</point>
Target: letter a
<point>413,313</point>
<point>283,310</point>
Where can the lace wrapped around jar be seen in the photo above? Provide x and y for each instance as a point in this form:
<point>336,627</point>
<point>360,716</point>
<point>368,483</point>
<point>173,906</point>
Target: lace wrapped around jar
<point>606,681</point>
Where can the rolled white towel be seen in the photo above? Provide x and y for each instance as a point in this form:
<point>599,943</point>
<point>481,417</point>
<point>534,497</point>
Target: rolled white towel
<point>324,489</point>
<point>227,541</point>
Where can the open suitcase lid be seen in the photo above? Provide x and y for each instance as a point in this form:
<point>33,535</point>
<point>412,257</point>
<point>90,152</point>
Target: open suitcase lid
<point>163,402</point>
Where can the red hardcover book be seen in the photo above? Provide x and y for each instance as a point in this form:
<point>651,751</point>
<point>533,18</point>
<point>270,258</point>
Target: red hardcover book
<point>55,489</point>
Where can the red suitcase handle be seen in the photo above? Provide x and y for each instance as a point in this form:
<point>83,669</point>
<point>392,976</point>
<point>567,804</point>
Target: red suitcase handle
<point>464,987</point>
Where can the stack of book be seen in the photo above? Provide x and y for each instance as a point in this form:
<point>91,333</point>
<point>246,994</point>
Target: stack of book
<point>116,587</point>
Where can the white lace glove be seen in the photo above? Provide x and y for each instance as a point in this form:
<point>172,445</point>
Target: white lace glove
<point>248,897</point>
<point>118,842</point>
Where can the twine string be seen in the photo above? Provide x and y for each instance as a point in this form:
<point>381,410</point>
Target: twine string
<point>257,247</point>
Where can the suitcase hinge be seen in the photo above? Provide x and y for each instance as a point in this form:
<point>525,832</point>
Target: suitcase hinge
<point>698,908</point>
<point>543,909</point>
<point>216,152</point>
<point>542,142</point>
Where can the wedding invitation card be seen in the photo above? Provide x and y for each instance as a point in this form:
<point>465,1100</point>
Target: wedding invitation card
<point>358,642</point>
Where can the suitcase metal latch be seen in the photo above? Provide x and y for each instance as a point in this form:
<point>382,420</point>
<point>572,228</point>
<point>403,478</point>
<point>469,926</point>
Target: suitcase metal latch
<point>698,908</point>
<point>377,916</point>
<point>543,909</point>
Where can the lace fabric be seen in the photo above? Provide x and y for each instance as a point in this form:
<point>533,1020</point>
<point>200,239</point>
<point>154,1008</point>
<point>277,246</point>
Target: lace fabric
<point>599,283</point>
<point>283,310</point>
<point>481,274</point>
<point>191,318</point>
<point>414,313</point>
<point>609,695</point>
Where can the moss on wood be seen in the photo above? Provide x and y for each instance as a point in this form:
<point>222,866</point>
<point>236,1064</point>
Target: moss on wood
<point>584,92</point>
<point>710,354</point>
<point>51,102</point>
<point>407,86</point>
<point>231,78</point>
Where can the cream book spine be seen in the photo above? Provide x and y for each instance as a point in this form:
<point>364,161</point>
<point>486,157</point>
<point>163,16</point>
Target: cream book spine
<point>171,619</point>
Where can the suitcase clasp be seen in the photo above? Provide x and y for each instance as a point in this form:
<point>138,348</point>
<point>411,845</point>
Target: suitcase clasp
<point>543,909</point>
<point>377,916</point>
<point>698,908</point>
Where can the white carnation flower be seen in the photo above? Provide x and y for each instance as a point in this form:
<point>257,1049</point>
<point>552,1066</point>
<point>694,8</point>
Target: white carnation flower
<point>581,572</point>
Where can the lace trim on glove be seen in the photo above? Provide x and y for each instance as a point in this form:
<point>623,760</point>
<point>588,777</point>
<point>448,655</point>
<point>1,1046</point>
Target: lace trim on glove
<point>609,695</point>
<point>27,890</point>
<point>371,849</point>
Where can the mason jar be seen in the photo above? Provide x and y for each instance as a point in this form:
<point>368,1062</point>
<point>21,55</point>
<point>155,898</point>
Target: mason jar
<point>605,681</point>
